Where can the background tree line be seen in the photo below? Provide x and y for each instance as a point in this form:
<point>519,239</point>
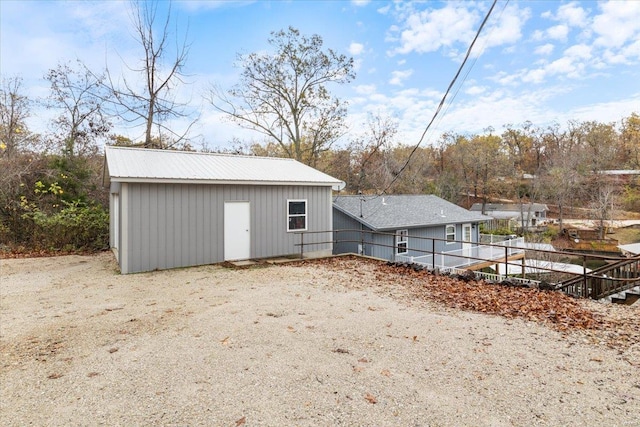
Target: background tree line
<point>51,193</point>
<point>561,166</point>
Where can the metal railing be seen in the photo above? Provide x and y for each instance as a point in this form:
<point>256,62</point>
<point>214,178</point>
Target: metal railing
<point>466,257</point>
<point>596,284</point>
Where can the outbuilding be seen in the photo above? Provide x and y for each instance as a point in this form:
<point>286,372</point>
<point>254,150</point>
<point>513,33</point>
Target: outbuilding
<point>173,209</point>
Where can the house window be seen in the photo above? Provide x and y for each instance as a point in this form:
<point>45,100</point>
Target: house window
<point>450,234</point>
<point>402,241</point>
<point>296,215</point>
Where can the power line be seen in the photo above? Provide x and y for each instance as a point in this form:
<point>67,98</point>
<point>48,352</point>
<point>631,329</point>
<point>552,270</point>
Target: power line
<point>473,63</point>
<point>442,101</point>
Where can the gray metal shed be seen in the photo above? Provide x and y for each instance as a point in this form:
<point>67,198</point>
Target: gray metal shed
<point>408,222</point>
<point>175,209</point>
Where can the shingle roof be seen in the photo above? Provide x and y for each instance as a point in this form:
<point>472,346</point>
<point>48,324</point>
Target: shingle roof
<point>404,211</point>
<point>125,164</point>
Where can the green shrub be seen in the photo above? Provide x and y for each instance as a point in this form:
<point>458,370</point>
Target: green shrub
<point>77,226</point>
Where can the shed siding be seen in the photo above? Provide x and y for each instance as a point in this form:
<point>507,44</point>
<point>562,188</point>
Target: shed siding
<point>178,225</point>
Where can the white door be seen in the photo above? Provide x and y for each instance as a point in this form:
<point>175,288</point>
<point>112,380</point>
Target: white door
<point>466,242</point>
<point>237,236</point>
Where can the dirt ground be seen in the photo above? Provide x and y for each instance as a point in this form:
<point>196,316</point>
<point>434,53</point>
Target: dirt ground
<point>305,344</point>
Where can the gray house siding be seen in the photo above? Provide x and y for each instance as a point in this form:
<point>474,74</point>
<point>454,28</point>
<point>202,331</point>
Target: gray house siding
<point>419,241</point>
<point>177,225</point>
<point>424,242</point>
<point>346,241</point>
<point>380,244</point>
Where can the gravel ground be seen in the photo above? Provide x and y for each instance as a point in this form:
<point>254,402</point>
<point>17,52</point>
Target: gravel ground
<point>305,344</point>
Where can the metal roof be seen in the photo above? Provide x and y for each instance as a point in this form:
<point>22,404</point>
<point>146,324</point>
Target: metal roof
<point>632,248</point>
<point>126,164</point>
<point>404,211</point>
<point>510,207</point>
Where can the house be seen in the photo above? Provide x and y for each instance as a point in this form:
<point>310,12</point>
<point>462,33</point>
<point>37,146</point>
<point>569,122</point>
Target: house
<point>514,215</point>
<point>408,225</point>
<point>176,209</point>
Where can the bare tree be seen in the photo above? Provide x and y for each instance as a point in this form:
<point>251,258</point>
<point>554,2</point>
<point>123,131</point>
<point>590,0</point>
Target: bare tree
<point>161,70</point>
<point>14,110</point>
<point>603,206</point>
<point>370,162</point>
<point>79,96</point>
<point>630,141</point>
<point>285,97</point>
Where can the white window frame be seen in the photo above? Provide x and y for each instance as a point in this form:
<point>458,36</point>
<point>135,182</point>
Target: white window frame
<point>447,234</point>
<point>402,237</point>
<point>304,215</point>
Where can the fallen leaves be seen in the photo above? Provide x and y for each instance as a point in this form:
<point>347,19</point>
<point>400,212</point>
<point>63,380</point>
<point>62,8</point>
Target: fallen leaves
<point>370,398</point>
<point>476,295</point>
<point>617,327</point>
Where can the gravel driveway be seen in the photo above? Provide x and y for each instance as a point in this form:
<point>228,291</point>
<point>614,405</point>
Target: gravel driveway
<point>284,345</point>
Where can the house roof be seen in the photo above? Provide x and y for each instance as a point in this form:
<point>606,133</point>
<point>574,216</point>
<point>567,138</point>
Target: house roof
<point>126,164</point>
<point>404,211</point>
<point>509,207</point>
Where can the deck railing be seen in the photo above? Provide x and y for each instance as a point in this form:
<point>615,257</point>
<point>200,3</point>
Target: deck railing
<point>618,275</point>
<point>607,280</point>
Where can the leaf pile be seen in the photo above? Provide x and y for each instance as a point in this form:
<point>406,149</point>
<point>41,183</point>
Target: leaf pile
<point>552,307</point>
<point>477,295</point>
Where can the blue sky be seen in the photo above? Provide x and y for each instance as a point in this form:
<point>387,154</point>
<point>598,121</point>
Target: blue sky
<point>543,61</point>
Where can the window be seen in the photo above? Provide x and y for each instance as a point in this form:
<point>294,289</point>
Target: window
<point>451,234</point>
<point>296,215</point>
<point>402,241</point>
<point>466,232</point>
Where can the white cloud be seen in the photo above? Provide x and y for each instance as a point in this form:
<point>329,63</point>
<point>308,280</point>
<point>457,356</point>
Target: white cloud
<point>534,76</point>
<point>538,35</point>
<point>365,89</point>
<point>633,50</point>
<point>199,5</point>
<point>475,90</point>
<point>609,111</point>
<point>398,77</point>
<point>356,48</point>
<point>572,15</point>
<point>558,32</point>
<point>545,49</point>
<point>579,51</point>
<point>508,30</point>
<point>618,23</point>
<point>429,30</point>
<point>384,10</point>
<point>360,2</point>
<point>357,64</point>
